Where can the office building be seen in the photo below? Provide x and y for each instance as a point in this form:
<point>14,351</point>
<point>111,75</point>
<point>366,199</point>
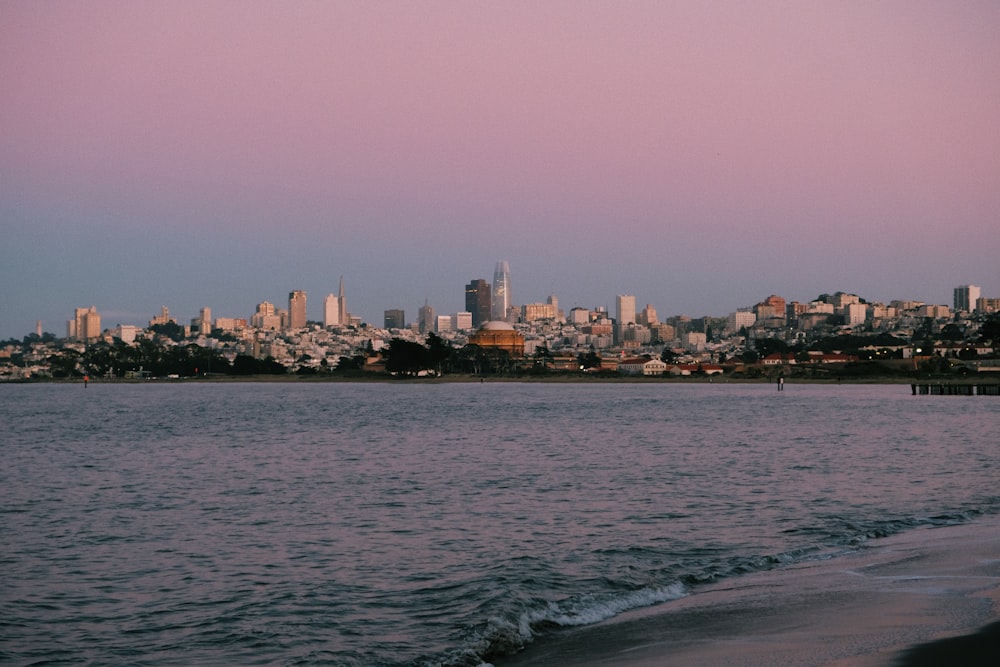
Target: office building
<point>966,297</point>
<point>85,325</point>
<point>331,311</point>
<point>625,309</point>
<point>394,319</point>
<point>478,301</point>
<point>266,317</point>
<point>501,291</point>
<point>462,321</point>
<point>425,318</point>
<point>345,318</point>
<point>296,309</point>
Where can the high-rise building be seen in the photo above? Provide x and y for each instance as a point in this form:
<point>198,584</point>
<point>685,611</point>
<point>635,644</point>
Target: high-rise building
<point>625,309</point>
<point>462,321</point>
<point>331,311</point>
<point>647,316</point>
<point>163,318</point>
<point>478,301</point>
<point>395,319</point>
<point>203,323</point>
<point>345,319</point>
<point>426,319</point>
<point>501,291</point>
<point>265,317</point>
<point>296,309</point>
<point>966,297</point>
<point>85,325</point>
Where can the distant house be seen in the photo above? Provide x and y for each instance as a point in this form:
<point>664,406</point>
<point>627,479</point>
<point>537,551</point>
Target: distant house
<point>778,359</point>
<point>827,358</point>
<point>641,366</point>
<point>683,370</point>
<point>710,369</point>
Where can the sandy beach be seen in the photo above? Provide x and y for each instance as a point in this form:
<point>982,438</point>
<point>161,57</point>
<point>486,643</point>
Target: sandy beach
<point>928,596</point>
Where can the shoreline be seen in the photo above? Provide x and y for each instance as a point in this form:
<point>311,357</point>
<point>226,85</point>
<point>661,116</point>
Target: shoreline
<point>899,600</point>
<point>542,379</point>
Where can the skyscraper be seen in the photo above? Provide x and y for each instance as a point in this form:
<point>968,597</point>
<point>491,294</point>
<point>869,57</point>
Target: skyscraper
<point>501,290</point>
<point>966,297</point>
<point>342,302</point>
<point>478,302</point>
<point>625,309</point>
<point>331,311</point>
<point>394,319</point>
<point>296,309</point>
<point>425,319</point>
<point>85,325</point>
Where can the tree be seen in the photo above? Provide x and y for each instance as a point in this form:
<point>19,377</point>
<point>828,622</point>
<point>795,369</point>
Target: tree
<point>171,330</point>
<point>438,352</point>
<point>668,356</point>
<point>589,360</point>
<point>404,357</point>
<point>543,357</point>
<point>768,346</point>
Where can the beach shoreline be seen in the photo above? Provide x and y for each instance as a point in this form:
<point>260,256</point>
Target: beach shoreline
<point>894,601</point>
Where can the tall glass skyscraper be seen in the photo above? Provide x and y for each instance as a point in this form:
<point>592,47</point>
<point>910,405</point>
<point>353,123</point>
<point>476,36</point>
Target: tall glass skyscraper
<point>478,301</point>
<point>501,290</point>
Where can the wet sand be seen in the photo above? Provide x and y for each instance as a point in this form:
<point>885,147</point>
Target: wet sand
<point>929,596</point>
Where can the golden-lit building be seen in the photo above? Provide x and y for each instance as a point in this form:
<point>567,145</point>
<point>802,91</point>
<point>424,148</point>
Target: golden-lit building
<point>500,335</point>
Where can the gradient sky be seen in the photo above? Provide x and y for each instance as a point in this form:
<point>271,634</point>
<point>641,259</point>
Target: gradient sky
<point>699,155</point>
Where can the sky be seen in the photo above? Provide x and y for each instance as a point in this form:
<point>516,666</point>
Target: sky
<point>698,155</point>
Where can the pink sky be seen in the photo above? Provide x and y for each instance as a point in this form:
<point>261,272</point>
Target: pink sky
<point>854,143</point>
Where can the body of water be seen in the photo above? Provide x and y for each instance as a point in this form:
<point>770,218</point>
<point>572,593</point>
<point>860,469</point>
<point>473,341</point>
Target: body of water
<point>438,524</point>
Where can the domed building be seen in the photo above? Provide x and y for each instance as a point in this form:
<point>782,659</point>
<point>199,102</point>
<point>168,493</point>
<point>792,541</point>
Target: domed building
<point>500,335</point>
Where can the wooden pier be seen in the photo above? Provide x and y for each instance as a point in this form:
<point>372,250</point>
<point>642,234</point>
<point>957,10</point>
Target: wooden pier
<point>964,389</point>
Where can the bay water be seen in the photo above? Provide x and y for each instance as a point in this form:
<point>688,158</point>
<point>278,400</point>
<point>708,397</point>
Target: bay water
<point>441,523</point>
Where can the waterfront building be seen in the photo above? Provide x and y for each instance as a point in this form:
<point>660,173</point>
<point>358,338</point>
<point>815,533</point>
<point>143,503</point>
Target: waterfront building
<point>499,335</point>
<point>478,301</point>
<point>966,297</point>
<point>394,319</point>
<point>501,291</point>
<point>641,366</point>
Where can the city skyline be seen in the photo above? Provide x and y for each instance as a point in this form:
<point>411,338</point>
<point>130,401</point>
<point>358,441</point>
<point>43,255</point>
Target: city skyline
<point>697,156</point>
<point>625,311</point>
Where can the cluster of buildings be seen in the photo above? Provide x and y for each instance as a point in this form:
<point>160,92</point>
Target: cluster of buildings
<point>633,337</point>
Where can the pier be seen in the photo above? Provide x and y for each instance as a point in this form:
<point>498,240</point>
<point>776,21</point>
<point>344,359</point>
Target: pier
<point>964,389</point>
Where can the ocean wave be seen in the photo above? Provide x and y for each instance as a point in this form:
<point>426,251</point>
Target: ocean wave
<point>508,634</point>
